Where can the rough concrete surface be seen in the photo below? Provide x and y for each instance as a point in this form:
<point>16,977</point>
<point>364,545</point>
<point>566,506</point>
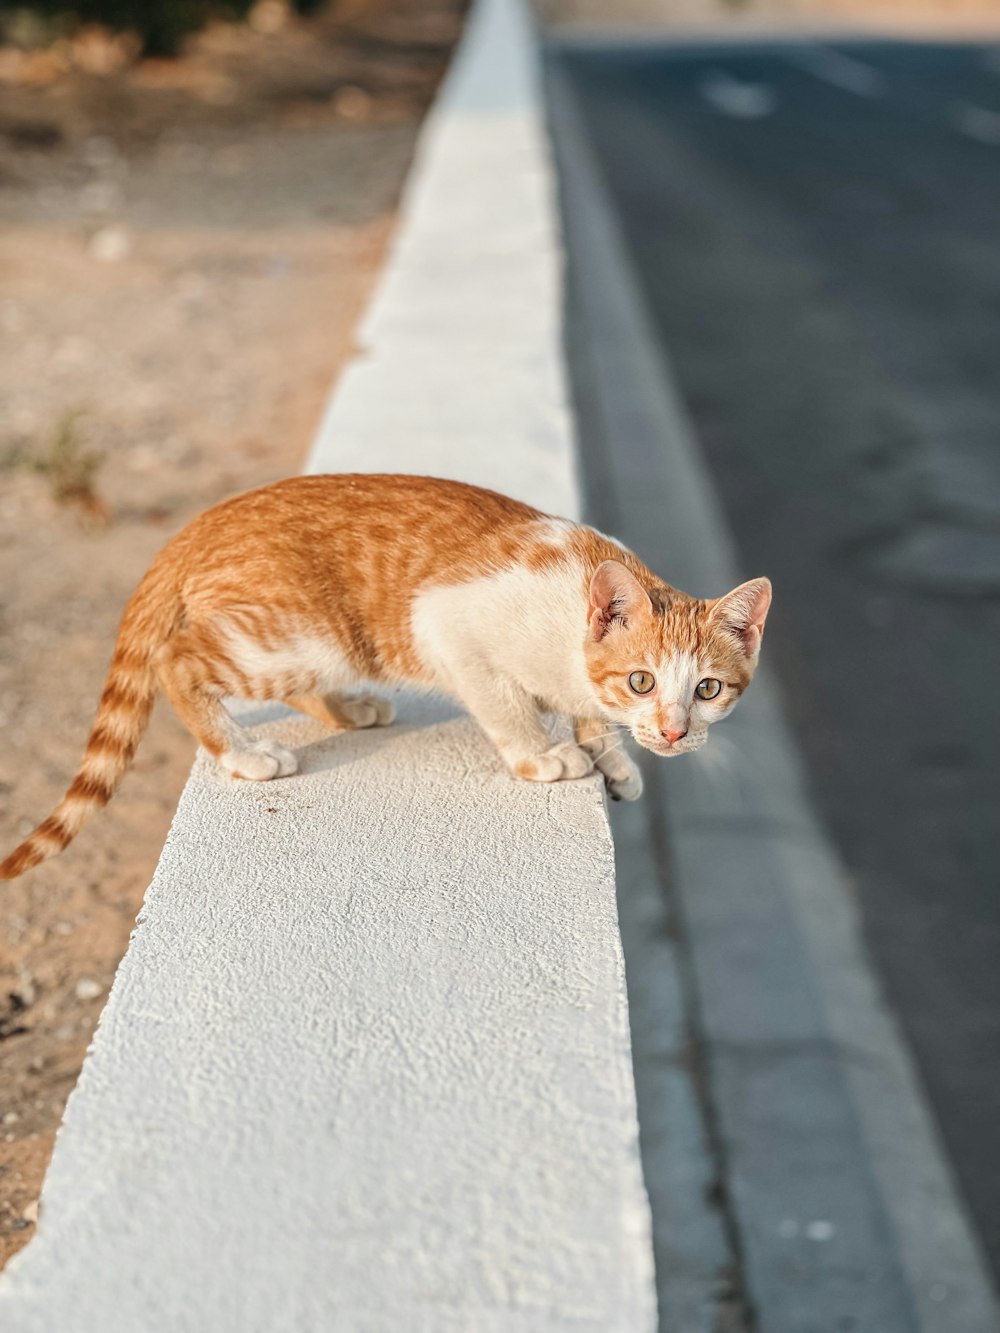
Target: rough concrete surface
<point>359,1069</point>
<point>365,1066</point>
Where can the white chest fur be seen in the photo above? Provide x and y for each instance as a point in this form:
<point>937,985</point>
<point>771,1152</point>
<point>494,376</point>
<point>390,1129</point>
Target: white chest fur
<point>518,626</point>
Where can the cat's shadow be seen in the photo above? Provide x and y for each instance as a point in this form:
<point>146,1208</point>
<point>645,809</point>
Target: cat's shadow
<point>319,749</point>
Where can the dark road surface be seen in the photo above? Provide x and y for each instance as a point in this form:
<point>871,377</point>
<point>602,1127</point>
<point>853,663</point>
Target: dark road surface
<point>817,230</point>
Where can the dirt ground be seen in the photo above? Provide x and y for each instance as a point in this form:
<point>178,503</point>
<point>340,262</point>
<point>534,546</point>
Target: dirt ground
<point>184,249</point>
<point>749,17</point>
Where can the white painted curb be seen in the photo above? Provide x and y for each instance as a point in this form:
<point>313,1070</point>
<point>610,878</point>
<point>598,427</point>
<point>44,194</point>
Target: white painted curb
<point>462,373</point>
<point>366,1066</point>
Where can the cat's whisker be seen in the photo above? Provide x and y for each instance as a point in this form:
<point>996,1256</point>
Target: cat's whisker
<point>719,762</point>
<point>609,743</point>
<point>613,733</point>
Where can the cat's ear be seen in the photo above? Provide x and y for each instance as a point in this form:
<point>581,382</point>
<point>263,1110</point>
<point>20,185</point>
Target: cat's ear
<point>743,612</point>
<point>616,597</point>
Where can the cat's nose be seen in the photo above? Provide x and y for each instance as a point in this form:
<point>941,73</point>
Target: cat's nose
<point>674,736</point>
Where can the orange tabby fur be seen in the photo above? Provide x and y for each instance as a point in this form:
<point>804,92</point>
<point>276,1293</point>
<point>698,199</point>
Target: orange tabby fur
<point>253,595</point>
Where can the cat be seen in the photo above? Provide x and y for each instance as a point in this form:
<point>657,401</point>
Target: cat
<point>305,589</point>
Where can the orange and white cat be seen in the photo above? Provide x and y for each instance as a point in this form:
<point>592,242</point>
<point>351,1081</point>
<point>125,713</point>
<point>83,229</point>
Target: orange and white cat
<point>304,590</point>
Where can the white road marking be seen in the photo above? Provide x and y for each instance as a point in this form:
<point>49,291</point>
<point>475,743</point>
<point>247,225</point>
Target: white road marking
<point>853,76</point>
<point>977,122</point>
<point>733,97</point>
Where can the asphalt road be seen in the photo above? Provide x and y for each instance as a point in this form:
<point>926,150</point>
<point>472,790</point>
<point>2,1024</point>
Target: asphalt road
<point>817,230</point>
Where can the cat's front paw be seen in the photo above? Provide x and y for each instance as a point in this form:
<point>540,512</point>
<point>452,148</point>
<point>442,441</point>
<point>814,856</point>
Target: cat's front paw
<point>621,774</point>
<point>562,761</point>
<point>625,784</point>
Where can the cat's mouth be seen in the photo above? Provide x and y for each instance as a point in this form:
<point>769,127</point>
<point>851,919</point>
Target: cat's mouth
<point>668,749</point>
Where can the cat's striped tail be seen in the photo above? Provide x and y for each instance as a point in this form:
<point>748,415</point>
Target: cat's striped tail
<point>122,718</point>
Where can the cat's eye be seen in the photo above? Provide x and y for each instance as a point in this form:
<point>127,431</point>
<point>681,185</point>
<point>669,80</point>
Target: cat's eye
<point>708,688</point>
<point>641,682</point>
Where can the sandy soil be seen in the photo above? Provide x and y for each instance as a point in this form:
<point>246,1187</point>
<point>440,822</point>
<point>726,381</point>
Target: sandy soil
<point>765,17</point>
<point>185,247</point>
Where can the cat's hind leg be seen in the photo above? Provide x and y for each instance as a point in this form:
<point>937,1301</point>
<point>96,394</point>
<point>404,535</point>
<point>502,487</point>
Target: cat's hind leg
<point>604,744</point>
<point>344,713</point>
<point>193,678</point>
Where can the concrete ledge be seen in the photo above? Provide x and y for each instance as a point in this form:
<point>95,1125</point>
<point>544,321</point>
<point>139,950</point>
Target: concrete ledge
<point>461,373</point>
<point>366,1066</point>
<point>362,1068</point>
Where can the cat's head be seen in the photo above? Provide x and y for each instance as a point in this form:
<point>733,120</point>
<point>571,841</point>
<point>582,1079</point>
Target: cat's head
<point>666,665</point>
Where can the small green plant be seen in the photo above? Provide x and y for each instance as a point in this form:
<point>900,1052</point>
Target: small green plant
<point>70,467</point>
